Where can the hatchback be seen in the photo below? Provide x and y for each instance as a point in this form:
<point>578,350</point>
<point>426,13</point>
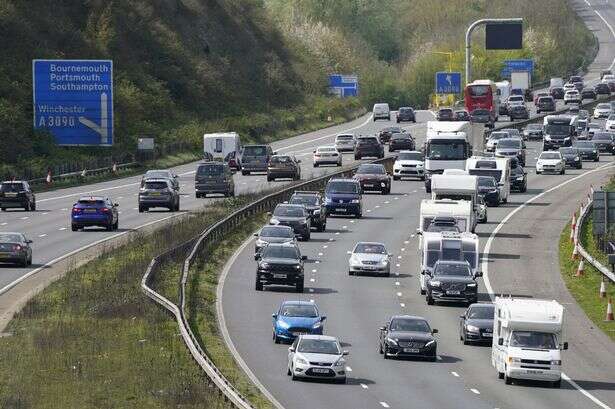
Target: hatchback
<point>94,211</point>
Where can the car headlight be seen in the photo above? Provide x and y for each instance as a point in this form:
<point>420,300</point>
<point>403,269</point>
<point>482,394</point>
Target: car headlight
<point>420,165</point>
<point>297,267</point>
<point>317,325</point>
<point>301,361</point>
<point>340,362</point>
<point>273,220</point>
<point>512,359</point>
<point>577,158</point>
<point>435,283</point>
<point>472,328</point>
<point>260,243</point>
<point>595,151</point>
<point>328,200</point>
<point>391,341</point>
<point>471,285</point>
<point>316,212</point>
<point>520,178</point>
<point>547,138</point>
<point>355,201</point>
<point>385,262</point>
<point>382,184</point>
<point>566,138</point>
<point>430,343</point>
<point>283,324</point>
<point>264,265</point>
<point>556,362</point>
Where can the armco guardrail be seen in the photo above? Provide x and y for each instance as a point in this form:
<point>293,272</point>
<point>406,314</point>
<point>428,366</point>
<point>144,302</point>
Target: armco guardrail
<point>197,252</point>
<point>85,173</point>
<point>582,252</point>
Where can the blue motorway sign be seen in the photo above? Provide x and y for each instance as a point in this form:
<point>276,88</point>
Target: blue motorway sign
<point>344,85</point>
<point>516,66</point>
<point>448,83</point>
<point>73,100</point>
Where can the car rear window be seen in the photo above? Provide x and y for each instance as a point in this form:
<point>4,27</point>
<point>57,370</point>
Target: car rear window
<point>213,170</point>
<point>344,137</point>
<point>401,136</point>
<point>91,202</point>
<point>155,185</point>
<point>277,231</point>
<point>368,141</point>
<point>12,187</point>
<point>255,151</point>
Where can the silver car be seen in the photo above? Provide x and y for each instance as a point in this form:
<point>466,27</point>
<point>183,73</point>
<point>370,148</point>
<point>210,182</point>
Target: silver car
<point>493,140</point>
<point>369,257</point>
<point>273,234</point>
<point>317,357</point>
<point>158,193</point>
<point>345,142</point>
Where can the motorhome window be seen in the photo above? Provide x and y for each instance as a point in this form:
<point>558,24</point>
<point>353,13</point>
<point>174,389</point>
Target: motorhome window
<point>432,257</point>
<point>486,164</point>
<point>470,257</point>
<point>454,197</point>
<point>451,250</point>
<point>497,174</point>
<point>210,170</point>
<point>531,339</point>
<point>219,144</point>
<point>557,129</point>
<point>443,149</point>
<point>441,227</point>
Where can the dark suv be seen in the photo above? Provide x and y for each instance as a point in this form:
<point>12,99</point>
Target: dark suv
<point>17,194</point>
<point>343,196</point>
<point>406,114</point>
<point>444,114</point>
<point>295,216</point>
<point>214,177</point>
<point>255,158</point>
<point>452,281</point>
<point>283,166</point>
<point>158,193</point>
<point>385,134</point>
<point>368,146</point>
<point>315,206</point>
<point>545,104</point>
<point>373,177</point>
<point>280,264</point>
<point>401,141</point>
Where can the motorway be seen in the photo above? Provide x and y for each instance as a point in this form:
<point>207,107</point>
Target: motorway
<point>357,307</point>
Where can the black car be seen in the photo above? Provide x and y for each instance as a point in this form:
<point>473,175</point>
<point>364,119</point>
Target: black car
<point>545,104</point>
<point>401,141</point>
<point>292,215</point>
<point>482,116</point>
<point>451,281</point>
<point>587,150</point>
<point>385,134</point>
<point>461,115</point>
<point>557,92</point>
<point>408,336</point>
<point>406,114</point>
<point>368,146</point>
<point>488,189</point>
<point>575,78</point>
<point>533,131</point>
<point>17,194</point>
<point>604,142</point>
<point>373,177</point>
<point>518,112</point>
<point>518,176</point>
<point>571,157</point>
<point>283,166</point>
<point>15,248</point>
<point>602,89</point>
<point>476,324</point>
<point>588,93</point>
<point>444,114</point>
<point>315,205</point>
<point>280,264</point>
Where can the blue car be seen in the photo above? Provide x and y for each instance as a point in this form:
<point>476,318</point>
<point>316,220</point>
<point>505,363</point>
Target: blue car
<point>343,197</point>
<point>295,318</point>
<point>94,211</point>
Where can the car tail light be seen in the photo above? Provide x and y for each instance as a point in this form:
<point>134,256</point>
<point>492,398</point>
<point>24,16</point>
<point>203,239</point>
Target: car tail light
<point>104,210</point>
<point>76,210</point>
<point>16,247</point>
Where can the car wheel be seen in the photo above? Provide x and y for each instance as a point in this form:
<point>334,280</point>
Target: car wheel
<point>116,225</point>
<point>74,227</point>
<point>385,352</point>
<point>350,272</point>
<point>563,171</point>
<point>422,291</point>
<point>276,339</point>
<point>396,177</point>
<point>288,371</point>
<point>269,178</point>
<point>507,379</point>
<point>500,375</point>
<point>141,209</point>
<point>197,195</point>
<point>430,300</point>
<point>33,206</point>
<point>245,172</point>
<point>341,381</point>
<point>315,164</point>
<point>4,209</point>
<point>24,262</point>
<point>299,287</point>
<point>380,351</point>
<point>293,376</point>
<point>109,227</point>
<point>433,358</point>
<point>359,215</point>
<point>357,157</point>
<point>596,159</point>
<point>258,286</point>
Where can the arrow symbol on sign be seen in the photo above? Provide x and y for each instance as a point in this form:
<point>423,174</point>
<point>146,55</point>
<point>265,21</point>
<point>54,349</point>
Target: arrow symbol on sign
<point>448,79</point>
<point>103,129</point>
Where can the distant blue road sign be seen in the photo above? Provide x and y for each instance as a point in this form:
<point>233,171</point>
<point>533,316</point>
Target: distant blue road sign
<point>516,66</point>
<point>73,99</point>
<point>344,85</point>
<point>448,83</point>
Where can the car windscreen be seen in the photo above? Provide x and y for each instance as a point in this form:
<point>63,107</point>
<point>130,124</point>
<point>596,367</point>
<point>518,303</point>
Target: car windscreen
<point>10,238</point>
<point>549,155</point>
<point>280,159</point>
<point>342,187</point>
<point>410,325</point>
<point>486,181</point>
<point>441,227</point>
<point>157,174</point>
<point>496,174</point>
<point>405,110</point>
<point>558,129</point>
<point>480,112</point>
<point>155,185</point>
<point>367,141</point>
<point>479,90</point>
<point>289,211</point>
<point>445,111</point>
<point>446,269</point>
<point>344,137</point>
<point>304,200</point>
<point>392,129</point>
<point>371,170</point>
<point>318,346</point>
<point>255,151</point>
<point>568,151</point>
<point>275,231</point>
<point>481,312</point>
<point>298,310</point>
<point>401,136</point>
<point>370,248</point>
<point>584,145</point>
<point>441,149</point>
<point>509,143</point>
<point>410,156</point>
<point>498,135</point>
<point>603,106</point>
<point>12,187</point>
<point>531,339</point>
<point>210,170</point>
<point>281,252</point>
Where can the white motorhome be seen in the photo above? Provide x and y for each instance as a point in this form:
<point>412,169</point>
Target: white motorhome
<point>225,147</point>
<point>460,210</point>
<point>504,88</point>
<point>447,146</point>
<point>447,246</point>
<point>528,340</point>
<point>457,187</point>
<point>499,168</point>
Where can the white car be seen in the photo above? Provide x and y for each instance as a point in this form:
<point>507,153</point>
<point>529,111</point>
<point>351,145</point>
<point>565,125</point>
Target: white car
<point>368,257</point>
<point>381,111</point>
<point>551,162</point>
<point>515,100</point>
<point>572,96</point>
<point>602,111</point>
<point>327,155</point>
<point>608,78</point>
<point>569,86</point>
<point>409,163</point>
<point>345,142</point>
<point>317,357</point>
<point>492,142</point>
<point>609,125</point>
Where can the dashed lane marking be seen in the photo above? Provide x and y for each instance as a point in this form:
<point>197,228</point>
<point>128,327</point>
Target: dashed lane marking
<point>62,228</point>
<point>397,283</point>
<point>348,369</point>
<point>364,386</point>
<point>24,218</point>
<point>399,294</point>
<point>384,405</point>
<point>455,374</point>
<point>475,391</point>
<point>402,305</point>
<point>42,235</point>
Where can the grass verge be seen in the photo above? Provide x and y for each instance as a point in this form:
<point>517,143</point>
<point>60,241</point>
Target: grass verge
<point>92,339</point>
<point>585,289</point>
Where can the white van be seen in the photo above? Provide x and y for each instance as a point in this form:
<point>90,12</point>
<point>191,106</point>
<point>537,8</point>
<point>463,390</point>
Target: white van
<point>556,83</point>
<point>224,147</point>
<point>381,111</point>
<point>499,168</point>
<point>527,340</point>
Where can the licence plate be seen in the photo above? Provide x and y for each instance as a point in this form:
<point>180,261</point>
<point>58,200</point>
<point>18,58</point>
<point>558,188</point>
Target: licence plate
<point>5,255</point>
<point>488,335</point>
<point>340,209</point>
<point>154,194</point>
<point>10,194</point>
<point>411,350</point>
<point>320,370</point>
<point>534,371</point>
<point>279,276</point>
<point>453,292</point>
<point>368,185</point>
<point>89,210</point>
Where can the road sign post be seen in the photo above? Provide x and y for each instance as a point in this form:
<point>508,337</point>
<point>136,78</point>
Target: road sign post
<point>73,100</point>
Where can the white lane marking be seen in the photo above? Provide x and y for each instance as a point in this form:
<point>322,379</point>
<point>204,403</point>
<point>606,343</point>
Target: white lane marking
<point>349,252</point>
<point>364,386</point>
<point>607,24</point>
<point>312,301</point>
<point>402,305</point>
<point>62,228</point>
<point>352,221</point>
<point>486,251</point>
<point>24,218</point>
<point>369,211</point>
<point>42,235</point>
<point>331,239</point>
<point>314,270</point>
<point>396,282</point>
<point>412,235</point>
<point>397,265</point>
<point>399,257</point>
<point>45,214</point>
<point>475,391</point>
<point>344,227</point>
<point>135,208</point>
<point>119,212</point>
<point>311,290</point>
<point>455,374</point>
<point>320,254</point>
<point>399,294</point>
<point>325,246</point>
<point>4,224</point>
<point>396,198</point>
<point>337,232</point>
<point>121,197</point>
<point>406,241</point>
<point>312,280</point>
<point>384,405</point>
<point>403,249</point>
<point>386,202</point>
<point>317,262</point>
<point>63,209</point>
<point>377,207</point>
<point>414,191</point>
<point>348,369</point>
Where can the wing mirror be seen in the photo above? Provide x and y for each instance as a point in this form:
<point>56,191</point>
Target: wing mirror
<point>345,353</point>
<point>255,234</point>
<point>275,153</point>
<point>257,256</point>
<point>303,258</point>
<point>565,346</point>
<point>274,316</point>
<point>116,204</point>
<point>434,331</point>
<point>324,317</point>
<point>478,274</point>
<point>269,214</point>
<point>500,341</point>
<point>298,160</point>
<point>29,241</point>
<point>291,349</point>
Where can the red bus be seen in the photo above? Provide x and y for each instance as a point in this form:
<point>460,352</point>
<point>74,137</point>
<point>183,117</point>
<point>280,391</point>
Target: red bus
<point>482,94</point>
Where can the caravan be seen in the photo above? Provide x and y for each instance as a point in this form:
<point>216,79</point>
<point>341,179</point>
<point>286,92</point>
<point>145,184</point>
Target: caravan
<point>459,211</point>
<point>499,168</point>
<point>224,147</point>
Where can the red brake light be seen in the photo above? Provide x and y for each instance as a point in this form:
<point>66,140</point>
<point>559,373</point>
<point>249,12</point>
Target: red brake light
<point>104,210</point>
<point>76,210</point>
